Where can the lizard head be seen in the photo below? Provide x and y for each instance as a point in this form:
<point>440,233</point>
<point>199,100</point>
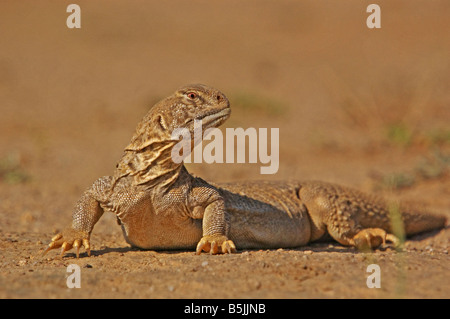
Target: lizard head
<point>181,110</point>
<point>198,102</point>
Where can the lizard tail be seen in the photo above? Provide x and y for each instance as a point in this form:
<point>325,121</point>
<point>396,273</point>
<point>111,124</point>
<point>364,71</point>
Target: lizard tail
<point>416,220</point>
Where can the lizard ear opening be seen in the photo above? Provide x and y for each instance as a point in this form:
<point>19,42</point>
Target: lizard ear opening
<point>159,120</point>
<point>148,132</point>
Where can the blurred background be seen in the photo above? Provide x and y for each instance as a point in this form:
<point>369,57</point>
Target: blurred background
<point>368,108</point>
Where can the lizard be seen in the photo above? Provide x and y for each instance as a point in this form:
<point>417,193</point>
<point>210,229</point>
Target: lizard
<point>161,206</point>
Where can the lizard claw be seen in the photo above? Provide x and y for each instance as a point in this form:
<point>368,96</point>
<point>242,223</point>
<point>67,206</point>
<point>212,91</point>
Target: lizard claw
<point>69,239</point>
<point>370,238</point>
<point>215,244</point>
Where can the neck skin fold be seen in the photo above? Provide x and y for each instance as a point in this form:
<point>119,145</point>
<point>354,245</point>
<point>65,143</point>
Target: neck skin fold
<point>151,166</point>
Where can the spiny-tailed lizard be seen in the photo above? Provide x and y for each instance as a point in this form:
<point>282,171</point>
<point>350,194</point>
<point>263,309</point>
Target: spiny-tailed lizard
<point>160,206</point>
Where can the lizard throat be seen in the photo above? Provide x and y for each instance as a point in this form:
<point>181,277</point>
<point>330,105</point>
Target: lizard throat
<point>151,166</point>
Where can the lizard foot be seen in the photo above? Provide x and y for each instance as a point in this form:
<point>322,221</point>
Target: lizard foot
<point>370,238</point>
<point>69,239</point>
<point>215,244</point>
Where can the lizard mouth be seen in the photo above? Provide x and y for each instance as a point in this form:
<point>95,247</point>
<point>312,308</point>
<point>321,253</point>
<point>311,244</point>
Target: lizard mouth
<point>216,118</point>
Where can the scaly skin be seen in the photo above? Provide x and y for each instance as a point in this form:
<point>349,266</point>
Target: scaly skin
<point>161,206</point>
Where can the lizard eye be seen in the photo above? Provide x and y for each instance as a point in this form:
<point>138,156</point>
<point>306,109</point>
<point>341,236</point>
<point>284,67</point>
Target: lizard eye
<point>192,95</point>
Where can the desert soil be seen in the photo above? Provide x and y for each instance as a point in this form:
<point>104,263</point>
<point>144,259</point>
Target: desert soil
<point>355,106</point>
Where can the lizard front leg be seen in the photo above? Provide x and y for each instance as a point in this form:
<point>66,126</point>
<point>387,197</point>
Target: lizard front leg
<point>86,214</point>
<point>215,229</point>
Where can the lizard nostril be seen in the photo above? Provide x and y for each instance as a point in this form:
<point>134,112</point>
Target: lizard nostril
<point>219,97</point>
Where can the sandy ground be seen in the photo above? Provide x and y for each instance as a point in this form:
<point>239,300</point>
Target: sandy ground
<point>364,108</point>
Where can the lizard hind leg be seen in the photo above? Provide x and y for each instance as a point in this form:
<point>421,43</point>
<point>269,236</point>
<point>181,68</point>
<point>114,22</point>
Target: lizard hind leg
<point>351,233</point>
<point>370,238</point>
